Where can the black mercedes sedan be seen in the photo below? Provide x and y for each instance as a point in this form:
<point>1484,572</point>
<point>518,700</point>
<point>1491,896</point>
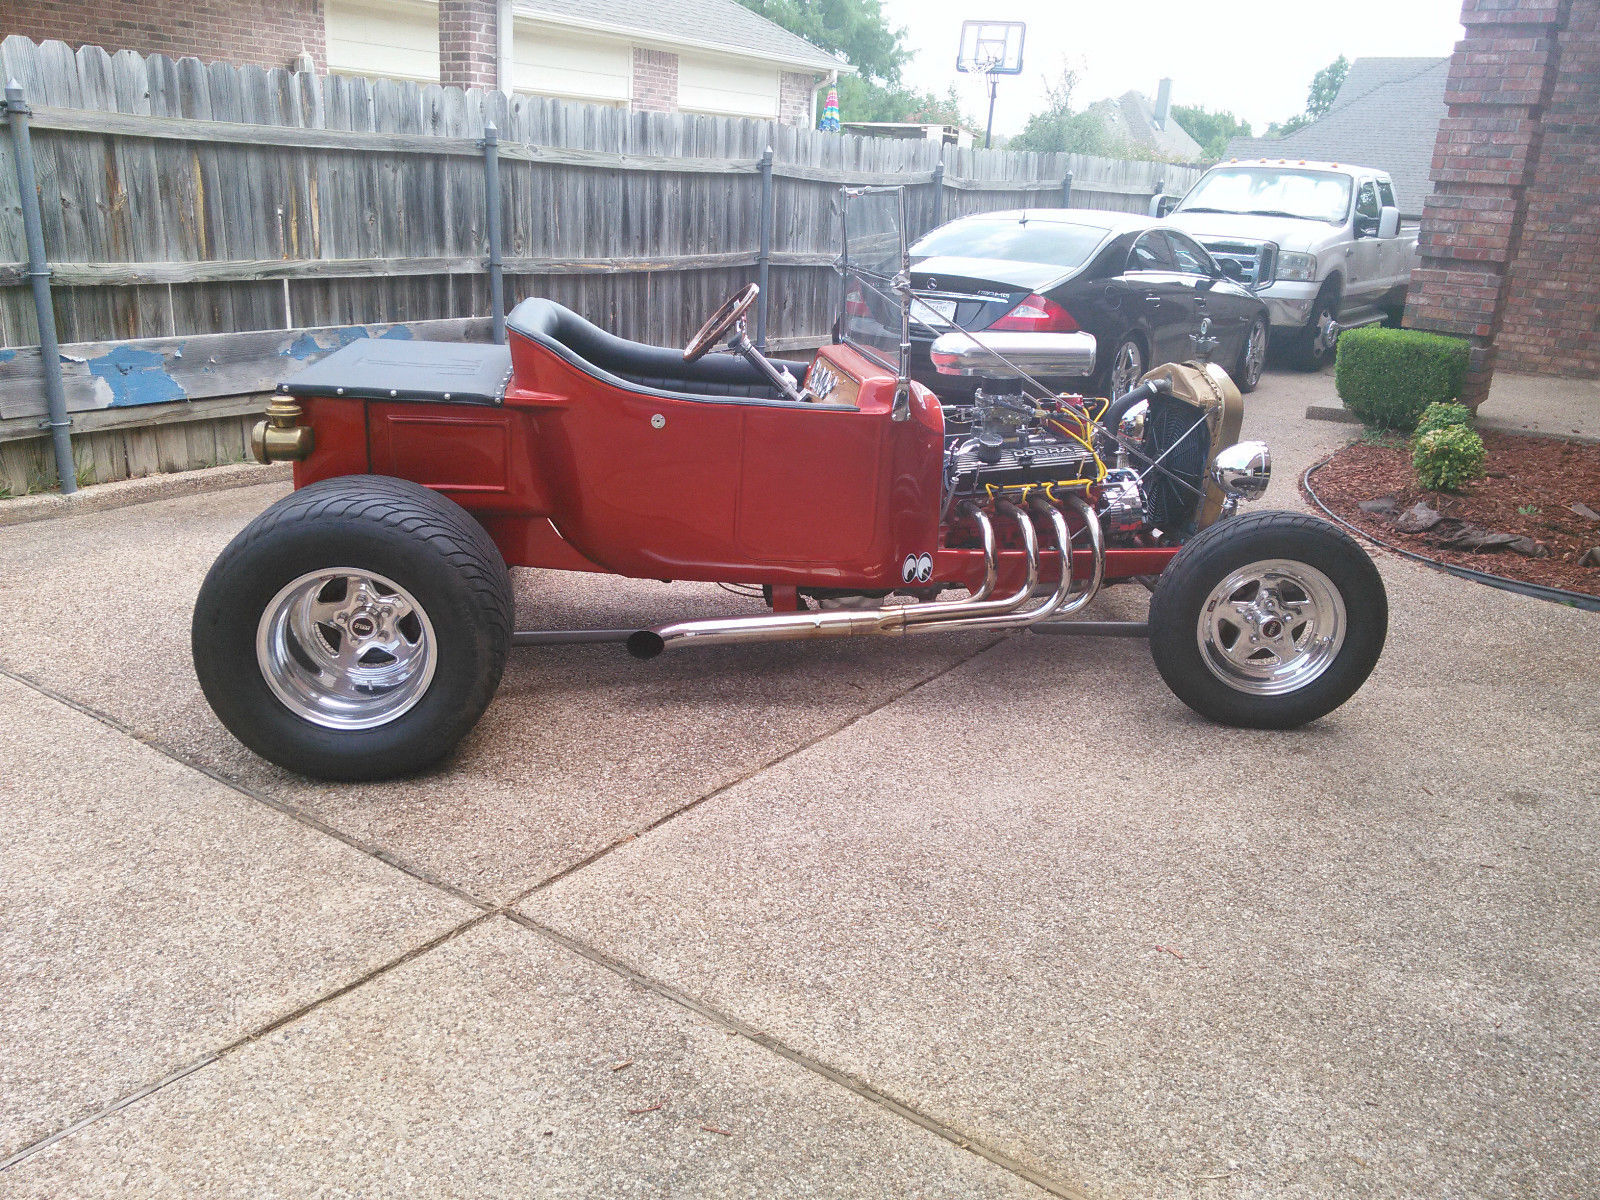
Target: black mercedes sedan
<point>1142,288</point>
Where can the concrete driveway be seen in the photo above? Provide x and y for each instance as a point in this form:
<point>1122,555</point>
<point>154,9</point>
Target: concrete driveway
<point>970,917</point>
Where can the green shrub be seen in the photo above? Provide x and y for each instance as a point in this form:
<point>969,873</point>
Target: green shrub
<point>1387,377</point>
<point>1442,416</point>
<point>1447,458</point>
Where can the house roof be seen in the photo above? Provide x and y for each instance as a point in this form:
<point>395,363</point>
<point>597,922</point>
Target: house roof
<point>1132,119</point>
<point>1386,116</point>
<point>718,25</point>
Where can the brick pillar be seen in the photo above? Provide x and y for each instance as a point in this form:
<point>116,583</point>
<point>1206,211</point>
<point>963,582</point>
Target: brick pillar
<point>1501,78</point>
<point>655,81</point>
<point>1551,324</point>
<point>468,43</point>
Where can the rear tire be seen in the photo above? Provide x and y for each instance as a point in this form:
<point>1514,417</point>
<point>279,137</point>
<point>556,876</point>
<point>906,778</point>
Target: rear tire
<point>1125,368</point>
<point>1252,357</point>
<point>1268,621</point>
<point>357,629</point>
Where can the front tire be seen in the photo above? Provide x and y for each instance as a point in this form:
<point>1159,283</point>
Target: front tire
<point>1268,621</point>
<point>1314,345</point>
<point>355,630</point>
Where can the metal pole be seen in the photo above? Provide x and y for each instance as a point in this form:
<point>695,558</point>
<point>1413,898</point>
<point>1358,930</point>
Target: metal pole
<point>994,90</point>
<point>1066,191</point>
<point>764,262</point>
<point>59,424</point>
<point>491,204</point>
<point>938,191</point>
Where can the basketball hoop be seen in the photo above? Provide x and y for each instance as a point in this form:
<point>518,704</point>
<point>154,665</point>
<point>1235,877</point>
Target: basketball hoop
<point>991,49</point>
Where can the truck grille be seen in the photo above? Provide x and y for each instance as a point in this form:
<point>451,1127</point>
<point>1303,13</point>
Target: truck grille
<point>1257,260</point>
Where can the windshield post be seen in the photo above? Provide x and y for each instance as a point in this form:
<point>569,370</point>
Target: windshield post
<point>884,273</point>
<point>902,287</point>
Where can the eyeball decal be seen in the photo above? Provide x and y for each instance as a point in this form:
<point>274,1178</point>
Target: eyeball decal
<point>918,568</point>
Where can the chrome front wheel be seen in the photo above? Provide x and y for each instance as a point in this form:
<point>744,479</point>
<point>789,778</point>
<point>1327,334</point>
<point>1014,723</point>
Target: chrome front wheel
<point>346,648</point>
<point>1268,620</point>
<point>1271,627</point>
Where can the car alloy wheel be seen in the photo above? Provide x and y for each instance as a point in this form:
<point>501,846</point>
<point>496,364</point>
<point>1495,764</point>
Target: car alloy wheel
<point>1127,368</point>
<point>1255,355</point>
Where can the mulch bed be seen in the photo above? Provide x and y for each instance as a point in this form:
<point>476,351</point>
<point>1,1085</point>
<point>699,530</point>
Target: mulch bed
<point>1523,473</point>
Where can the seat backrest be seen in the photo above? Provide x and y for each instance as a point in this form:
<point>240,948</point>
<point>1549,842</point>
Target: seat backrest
<point>638,367</point>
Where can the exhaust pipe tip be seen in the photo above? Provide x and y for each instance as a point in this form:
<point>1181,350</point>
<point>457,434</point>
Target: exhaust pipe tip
<point>646,643</point>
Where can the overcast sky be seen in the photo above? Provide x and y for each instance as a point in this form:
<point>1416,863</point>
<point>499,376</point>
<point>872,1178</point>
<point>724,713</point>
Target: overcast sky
<point>1255,57</point>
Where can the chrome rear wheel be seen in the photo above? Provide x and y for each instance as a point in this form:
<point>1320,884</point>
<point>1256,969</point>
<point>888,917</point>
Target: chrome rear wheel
<point>346,648</point>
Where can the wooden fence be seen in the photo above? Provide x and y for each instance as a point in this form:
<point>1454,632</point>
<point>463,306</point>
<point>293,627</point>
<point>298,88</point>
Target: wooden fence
<point>213,228</point>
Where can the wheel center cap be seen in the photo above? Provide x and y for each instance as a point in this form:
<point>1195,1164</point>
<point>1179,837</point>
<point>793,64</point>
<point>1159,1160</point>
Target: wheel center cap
<point>363,626</point>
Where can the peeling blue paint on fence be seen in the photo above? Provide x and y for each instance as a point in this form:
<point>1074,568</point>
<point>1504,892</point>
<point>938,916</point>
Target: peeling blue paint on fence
<point>136,377</point>
<point>7,355</point>
<point>308,346</point>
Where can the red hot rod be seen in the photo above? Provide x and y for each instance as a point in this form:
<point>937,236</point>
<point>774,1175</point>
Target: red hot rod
<point>358,628</point>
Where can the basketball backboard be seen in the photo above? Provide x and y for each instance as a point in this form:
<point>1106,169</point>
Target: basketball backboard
<point>991,47</point>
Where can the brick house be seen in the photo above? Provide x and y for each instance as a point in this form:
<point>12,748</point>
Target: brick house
<point>1511,236</point>
<point>710,56</point>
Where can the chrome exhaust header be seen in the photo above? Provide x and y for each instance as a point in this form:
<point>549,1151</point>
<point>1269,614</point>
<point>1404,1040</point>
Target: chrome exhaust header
<point>978,611</point>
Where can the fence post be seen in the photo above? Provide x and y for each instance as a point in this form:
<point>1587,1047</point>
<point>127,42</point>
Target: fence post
<point>938,193</point>
<point>58,423</point>
<point>764,262</point>
<point>1066,191</point>
<point>491,204</point>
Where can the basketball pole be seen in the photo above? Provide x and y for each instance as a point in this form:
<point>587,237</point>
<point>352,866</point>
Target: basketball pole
<point>994,90</point>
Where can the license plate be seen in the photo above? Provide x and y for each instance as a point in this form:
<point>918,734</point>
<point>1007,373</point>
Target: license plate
<point>941,314</point>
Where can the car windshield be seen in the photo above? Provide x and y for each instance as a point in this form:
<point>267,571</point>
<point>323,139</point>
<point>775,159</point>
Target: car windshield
<point>1272,192</point>
<point>1054,242</point>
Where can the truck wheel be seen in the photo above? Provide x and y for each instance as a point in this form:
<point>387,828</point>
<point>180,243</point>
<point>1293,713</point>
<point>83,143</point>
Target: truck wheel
<point>355,630</point>
<point>1268,621</point>
<point>1252,357</point>
<point>1314,345</point>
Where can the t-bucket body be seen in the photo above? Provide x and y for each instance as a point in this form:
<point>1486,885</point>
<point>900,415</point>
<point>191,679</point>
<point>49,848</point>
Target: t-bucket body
<point>578,450</point>
<point>572,466</point>
<point>358,627</point>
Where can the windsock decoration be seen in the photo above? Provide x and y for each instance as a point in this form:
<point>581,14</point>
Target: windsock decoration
<point>830,113</point>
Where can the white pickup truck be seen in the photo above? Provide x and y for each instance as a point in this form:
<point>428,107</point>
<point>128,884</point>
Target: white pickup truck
<point>1321,243</point>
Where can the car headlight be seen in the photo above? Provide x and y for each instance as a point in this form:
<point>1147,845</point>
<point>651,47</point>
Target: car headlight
<point>1297,266</point>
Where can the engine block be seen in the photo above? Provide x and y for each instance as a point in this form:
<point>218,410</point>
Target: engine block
<point>1007,442</point>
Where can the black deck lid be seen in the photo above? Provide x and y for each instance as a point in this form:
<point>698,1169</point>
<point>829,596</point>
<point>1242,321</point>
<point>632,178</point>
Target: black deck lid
<point>389,369</point>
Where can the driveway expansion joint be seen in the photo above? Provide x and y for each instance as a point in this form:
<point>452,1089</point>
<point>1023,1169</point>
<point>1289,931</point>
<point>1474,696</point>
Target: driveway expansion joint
<point>898,1108</point>
<point>307,819</point>
<point>893,698</point>
<point>243,1040</point>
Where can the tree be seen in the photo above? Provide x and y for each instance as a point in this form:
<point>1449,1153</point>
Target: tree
<point>861,100</point>
<point>1324,90</point>
<point>857,30</point>
<point>1058,129</point>
<point>1212,130</point>
<point>1325,87</point>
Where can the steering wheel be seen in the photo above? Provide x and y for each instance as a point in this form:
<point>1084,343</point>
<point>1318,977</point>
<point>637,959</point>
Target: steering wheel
<point>718,324</point>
